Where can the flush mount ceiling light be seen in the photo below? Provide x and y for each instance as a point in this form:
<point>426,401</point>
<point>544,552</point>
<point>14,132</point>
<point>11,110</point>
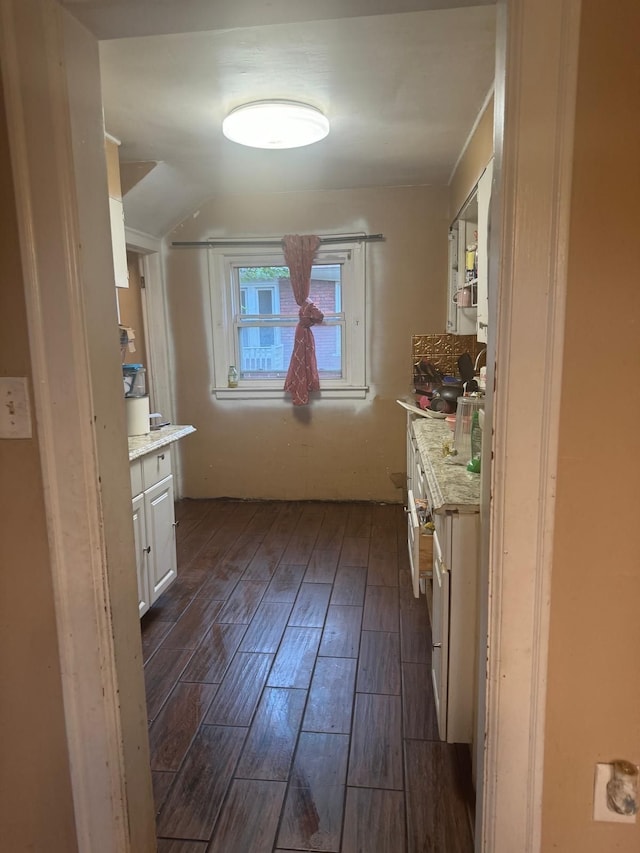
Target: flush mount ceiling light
<point>275,124</point>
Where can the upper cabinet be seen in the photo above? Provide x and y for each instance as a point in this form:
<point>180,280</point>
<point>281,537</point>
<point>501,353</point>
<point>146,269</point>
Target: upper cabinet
<point>470,190</point>
<point>468,307</point>
<point>484,199</point>
<point>116,213</point>
<point>462,294</point>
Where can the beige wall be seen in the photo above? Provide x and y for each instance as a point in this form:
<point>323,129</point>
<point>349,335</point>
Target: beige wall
<point>331,449</point>
<point>473,162</point>
<point>36,809</point>
<point>593,702</point>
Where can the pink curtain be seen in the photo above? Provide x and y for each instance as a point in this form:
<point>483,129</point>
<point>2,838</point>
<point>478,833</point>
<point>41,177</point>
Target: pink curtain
<point>302,375</point>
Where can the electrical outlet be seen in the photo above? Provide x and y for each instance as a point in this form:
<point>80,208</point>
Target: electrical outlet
<point>601,810</point>
<point>15,413</point>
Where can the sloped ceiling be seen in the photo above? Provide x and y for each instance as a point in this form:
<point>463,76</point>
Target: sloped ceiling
<point>401,90</point>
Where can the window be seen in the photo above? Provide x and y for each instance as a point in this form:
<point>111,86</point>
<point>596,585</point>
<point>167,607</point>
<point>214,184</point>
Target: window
<point>254,316</point>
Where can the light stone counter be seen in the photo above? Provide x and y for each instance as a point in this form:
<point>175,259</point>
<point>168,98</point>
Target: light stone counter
<point>140,445</point>
<point>451,486</point>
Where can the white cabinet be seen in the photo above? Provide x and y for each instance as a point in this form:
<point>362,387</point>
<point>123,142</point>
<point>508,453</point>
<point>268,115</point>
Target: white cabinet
<point>453,623</point>
<point>462,309</point>
<point>468,304</point>
<point>420,548</point>
<point>440,636</point>
<point>154,525</point>
<point>140,539</point>
<point>118,242</point>
<point>160,526</point>
<point>116,212</point>
<point>447,572</point>
<point>484,198</point>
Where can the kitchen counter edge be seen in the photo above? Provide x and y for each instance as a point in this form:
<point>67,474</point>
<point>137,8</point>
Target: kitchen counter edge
<point>140,445</point>
<point>452,487</point>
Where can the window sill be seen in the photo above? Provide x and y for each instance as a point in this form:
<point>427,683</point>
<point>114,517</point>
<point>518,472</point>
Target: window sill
<point>351,392</point>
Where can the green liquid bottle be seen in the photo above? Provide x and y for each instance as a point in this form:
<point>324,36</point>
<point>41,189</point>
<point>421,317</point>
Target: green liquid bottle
<point>476,444</point>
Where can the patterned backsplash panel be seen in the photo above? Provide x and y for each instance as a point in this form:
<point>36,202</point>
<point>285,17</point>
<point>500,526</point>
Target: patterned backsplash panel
<point>443,351</point>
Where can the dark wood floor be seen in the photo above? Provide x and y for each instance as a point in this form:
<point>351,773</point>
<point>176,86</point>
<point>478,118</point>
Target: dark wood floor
<point>289,691</point>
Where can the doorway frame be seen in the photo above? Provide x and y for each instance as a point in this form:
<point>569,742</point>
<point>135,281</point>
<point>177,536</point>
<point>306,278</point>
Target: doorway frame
<point>154,309</point>
<point>529,320</point>
<point>528,242</point>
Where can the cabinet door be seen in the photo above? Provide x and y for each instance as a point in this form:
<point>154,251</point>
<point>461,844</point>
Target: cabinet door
<point>460,320</point>
<point>452,311</point>
<point>440,639</point>
<point>410,452</point>
<point>484,197</point>
<point>118,243</point>
<point>159,519</point>
<point>413,540</point>
<point>144,599</point>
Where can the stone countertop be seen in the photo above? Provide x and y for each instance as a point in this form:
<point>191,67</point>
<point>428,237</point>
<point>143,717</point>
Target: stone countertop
<point>140,445</point>
<point>451,487</point>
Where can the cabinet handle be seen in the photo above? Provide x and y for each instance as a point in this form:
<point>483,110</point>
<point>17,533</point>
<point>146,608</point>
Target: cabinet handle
<point>436,645</point>
<point>161,456</point>
<point>147,550</point>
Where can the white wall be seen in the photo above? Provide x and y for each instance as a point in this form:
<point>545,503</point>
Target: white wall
<point>332,449</point>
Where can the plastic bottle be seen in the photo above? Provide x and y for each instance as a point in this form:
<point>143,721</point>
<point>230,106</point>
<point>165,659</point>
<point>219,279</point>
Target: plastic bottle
<point>476,444</point>
<point>232,378</point>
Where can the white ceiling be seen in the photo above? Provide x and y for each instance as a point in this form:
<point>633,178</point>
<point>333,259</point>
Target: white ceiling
<point>402,91</point>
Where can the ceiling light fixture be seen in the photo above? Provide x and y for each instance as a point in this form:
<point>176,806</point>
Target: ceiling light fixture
<point>275,124</point>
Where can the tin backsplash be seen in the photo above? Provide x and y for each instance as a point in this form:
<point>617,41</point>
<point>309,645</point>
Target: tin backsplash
<point>443,351</point>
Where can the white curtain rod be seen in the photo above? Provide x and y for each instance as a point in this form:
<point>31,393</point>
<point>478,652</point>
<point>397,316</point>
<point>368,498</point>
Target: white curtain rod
<point>205,244</point>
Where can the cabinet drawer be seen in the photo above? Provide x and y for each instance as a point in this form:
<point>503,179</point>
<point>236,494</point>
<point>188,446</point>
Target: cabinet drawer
<point>135,473</point>
<point>442,536</point>
<point>156,466</point>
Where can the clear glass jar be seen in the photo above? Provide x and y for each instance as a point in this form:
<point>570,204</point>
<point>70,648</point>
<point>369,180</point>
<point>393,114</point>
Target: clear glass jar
<point>232,377</point>
<point>134,380</point>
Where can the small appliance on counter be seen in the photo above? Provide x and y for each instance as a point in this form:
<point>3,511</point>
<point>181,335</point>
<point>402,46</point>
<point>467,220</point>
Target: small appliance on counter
<point>133,376</point>
<point>138,420</point>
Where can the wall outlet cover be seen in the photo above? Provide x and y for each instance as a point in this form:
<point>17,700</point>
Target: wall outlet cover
<point>601,811</point>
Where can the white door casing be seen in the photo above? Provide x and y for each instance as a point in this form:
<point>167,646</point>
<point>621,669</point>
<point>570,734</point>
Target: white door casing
<point>113,809</point>
<point>529,221</point>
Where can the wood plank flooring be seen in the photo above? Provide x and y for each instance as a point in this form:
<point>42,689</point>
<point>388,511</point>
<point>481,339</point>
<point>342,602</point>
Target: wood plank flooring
<point>289,688</point>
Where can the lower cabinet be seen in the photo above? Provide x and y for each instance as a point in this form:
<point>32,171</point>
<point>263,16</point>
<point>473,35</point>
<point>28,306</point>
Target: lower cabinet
<point>419,544</point>
<point>447,572</point>
<point>140,539</point>
<point>154,526</point>
<point>453,623</point>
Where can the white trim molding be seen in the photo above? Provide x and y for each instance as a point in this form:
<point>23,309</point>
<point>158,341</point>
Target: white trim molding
<point>223,300</point>
<point>139,241</point>
<point>535,100</point>
<point>34,56</point>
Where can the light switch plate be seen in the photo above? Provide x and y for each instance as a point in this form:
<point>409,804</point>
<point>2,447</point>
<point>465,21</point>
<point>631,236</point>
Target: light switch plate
<point>601,810</point>
<point>15,412</point>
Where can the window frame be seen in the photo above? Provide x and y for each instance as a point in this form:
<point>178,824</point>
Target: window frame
<point>221,262</point>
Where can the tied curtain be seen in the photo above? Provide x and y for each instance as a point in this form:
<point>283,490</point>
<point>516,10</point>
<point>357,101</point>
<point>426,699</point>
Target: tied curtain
<point>302,375</point>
